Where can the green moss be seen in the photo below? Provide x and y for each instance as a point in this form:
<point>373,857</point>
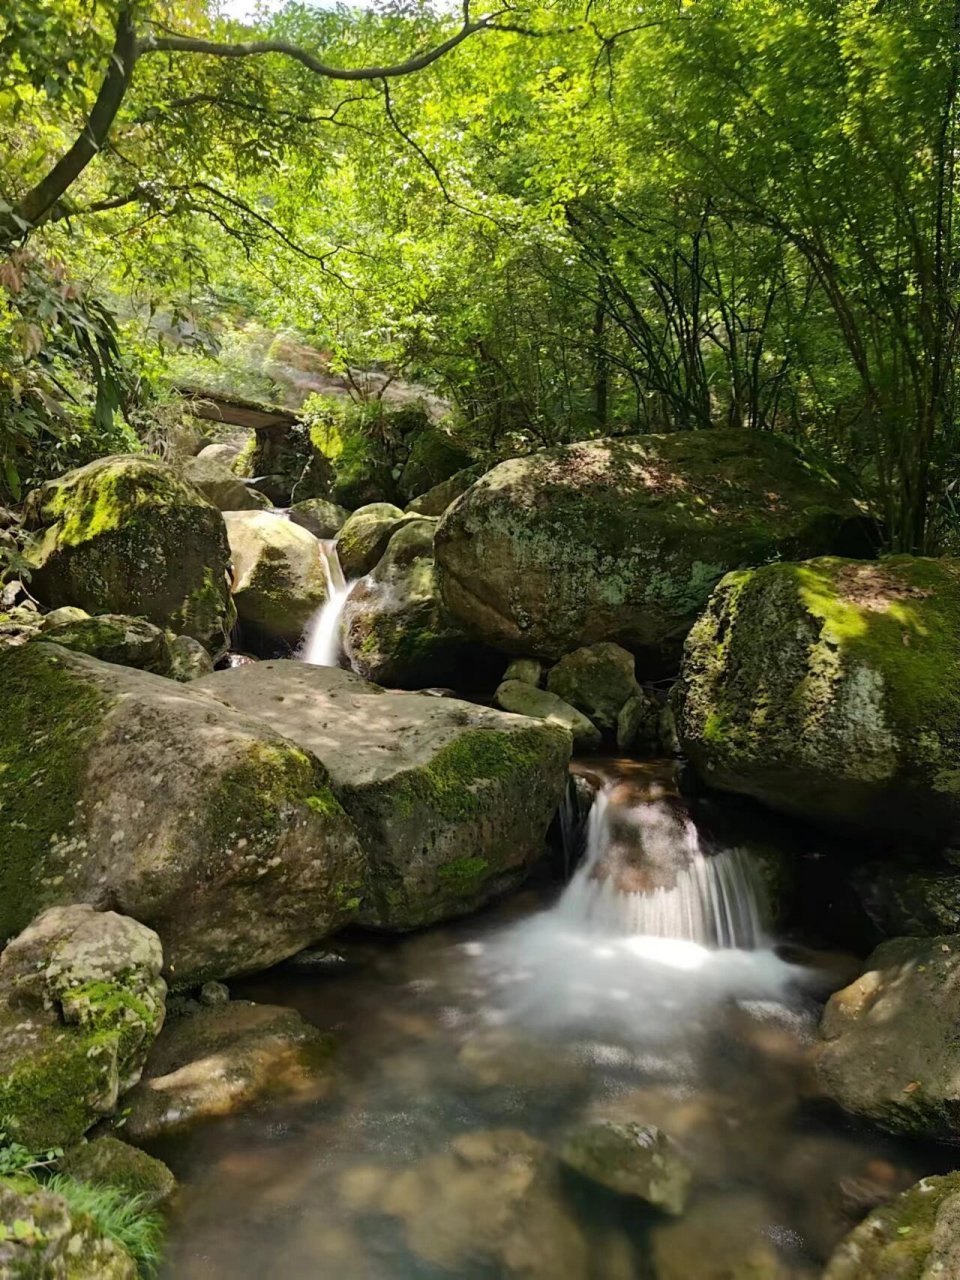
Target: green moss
<point>464,872</point>
<point>46,1099</point>
<point>243,463</point>
<point>51,718</point>
<point>325,802</point>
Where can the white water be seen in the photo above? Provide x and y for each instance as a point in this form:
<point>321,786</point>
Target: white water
<point>321,645</point>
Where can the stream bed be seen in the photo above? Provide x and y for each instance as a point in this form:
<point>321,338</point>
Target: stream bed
<point>467,1052</point>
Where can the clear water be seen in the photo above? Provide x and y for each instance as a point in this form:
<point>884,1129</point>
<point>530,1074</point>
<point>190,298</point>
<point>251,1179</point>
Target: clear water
<point>526,1019</point>
<point>321,644</point>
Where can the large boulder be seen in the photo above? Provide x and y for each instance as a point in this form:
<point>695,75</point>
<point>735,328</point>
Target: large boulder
<point>219,1060</point>
<point>888,1045</point>
<point>128,535</point>
<point>221,486</point>
<point>278,578</point>
<point>451,801</point>
<point>119,787</point>
<point>396,631</point>
<point>364,537</point>
<point>320,516</point>
<point>113,637</point>
<point>434,457</point>
<point>914,1237</point>
<point>81,1001</point>
<point>831,689</point>
<point>436,500</point>
<point>42,1238</point>
<point>624,539</point>
<point>598,680</point>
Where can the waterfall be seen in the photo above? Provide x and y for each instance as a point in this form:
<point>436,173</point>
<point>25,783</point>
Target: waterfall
<point>644,873</point>
<point>321,645</point>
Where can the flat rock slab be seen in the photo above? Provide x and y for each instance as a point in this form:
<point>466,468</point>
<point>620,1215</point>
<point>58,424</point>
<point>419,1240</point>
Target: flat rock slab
<point>451,801</point>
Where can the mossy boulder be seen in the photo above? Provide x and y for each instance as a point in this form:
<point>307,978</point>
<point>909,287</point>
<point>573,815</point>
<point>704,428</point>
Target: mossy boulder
<point>120,786</point>
<point>451,801</point>
<point>396,631</point>
<point>81,1001</point>
<point>53,1243</point>
<point>632,1159</point>
<point>365,535</point>
<point>624,539</point>
<point>434,457</point>
<point>319,516</point>
<point>913,1237</point>
<point>188,659</point>
<point>128,535</point>
<point>278,578</point>
<point>108,1162</point>
<point>113,637</point>
<point>216,1061</point>
<point>888,1048</point>
<point>831,689</point>
<point>221,486</point>
<point>524,699</point>
<point>597,679</point>
<point>436,500</point>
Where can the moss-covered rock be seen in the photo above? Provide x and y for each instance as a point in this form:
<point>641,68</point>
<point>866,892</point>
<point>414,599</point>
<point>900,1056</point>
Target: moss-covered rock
<point>108,1162</point>
<point>127,535</point>
<point>121,786</point>
<point>888,1045</point>
<point>452,801</point>
<point>525,699</point>
<point>396,631</point>
<point>113,637</point>
<point>597,679</point>
<point>434,457</point>
<point>81,1001</point>
<point>624,539</point>
<point>221,486</point>
<point>631,1159</point>
<point>831,689</point>
<point>720,1237</point>
<point>219,1060</point>
<point>436,500</point>
<point>286,463</point>
<point>639,723</point>
<point>278,578</point>
<point>365,535</point>
<point>320,516</point>
<point>52,1243</point>
<point>188,659</point>
<point>914,1237</point>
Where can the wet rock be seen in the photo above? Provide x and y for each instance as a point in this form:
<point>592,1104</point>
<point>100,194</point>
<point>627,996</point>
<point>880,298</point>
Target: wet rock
<point>638,723</point>
<point>278,577</point>
<point>910,899</point>
<point>110,1163</point>
<point>113,637</point>
<point>493,1198</point>
<point>127,535</point>
<point>888,1050</point>
<point>914,1237</point>
<point>829,689</point>
<point>364,537</point>
<point>96,764</point>
<point>501,1058</point>
<point>189,660</point>
<point>624,539</point>
<point>53,1244</point>
<point>526,700</point>
<point>320,516</point>
<point>632,1159</point>
<point>81,1000</point>
<point>436,500</point>
<point>219,1060</point>
<point>597,679</point>
<point>396,631</point>
<point>219,485</point>
<point>451,801</point>
<point>721,1238</point>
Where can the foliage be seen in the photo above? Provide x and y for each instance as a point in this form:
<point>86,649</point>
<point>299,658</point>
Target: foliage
<point>117,1215</point>
<point>16,1159</point>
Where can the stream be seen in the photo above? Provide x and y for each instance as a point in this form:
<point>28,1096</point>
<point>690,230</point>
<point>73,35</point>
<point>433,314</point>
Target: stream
<point>646,989</point>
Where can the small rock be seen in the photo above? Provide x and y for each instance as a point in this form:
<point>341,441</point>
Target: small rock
<point>638,723</point>
<point>633,1159</point>
<point>189,660</point>
<point>109,1162</point>
<point>597,679</point>
<point>214,993</point>
<point>60,617</point>
<point>525,700</point>
<point>527,670</point>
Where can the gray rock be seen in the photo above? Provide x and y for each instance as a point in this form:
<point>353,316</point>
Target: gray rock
<point>436,500</point>
<point>323,518</point>
<point>278,577</point>
<point>113,637</point>
<point>364,537</point>
<point>214,993</point>
<point>638,723</point>
<point>219,485</point>
<point>108,1162</point>
<point>632,1159</point>
<point>527,670</point>
<point>597,679</point>
<point>526,700</point>
<point>188,659</point>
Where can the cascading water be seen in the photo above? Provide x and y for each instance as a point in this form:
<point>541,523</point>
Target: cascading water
<point>321,645</point>
<point>644,873</point>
